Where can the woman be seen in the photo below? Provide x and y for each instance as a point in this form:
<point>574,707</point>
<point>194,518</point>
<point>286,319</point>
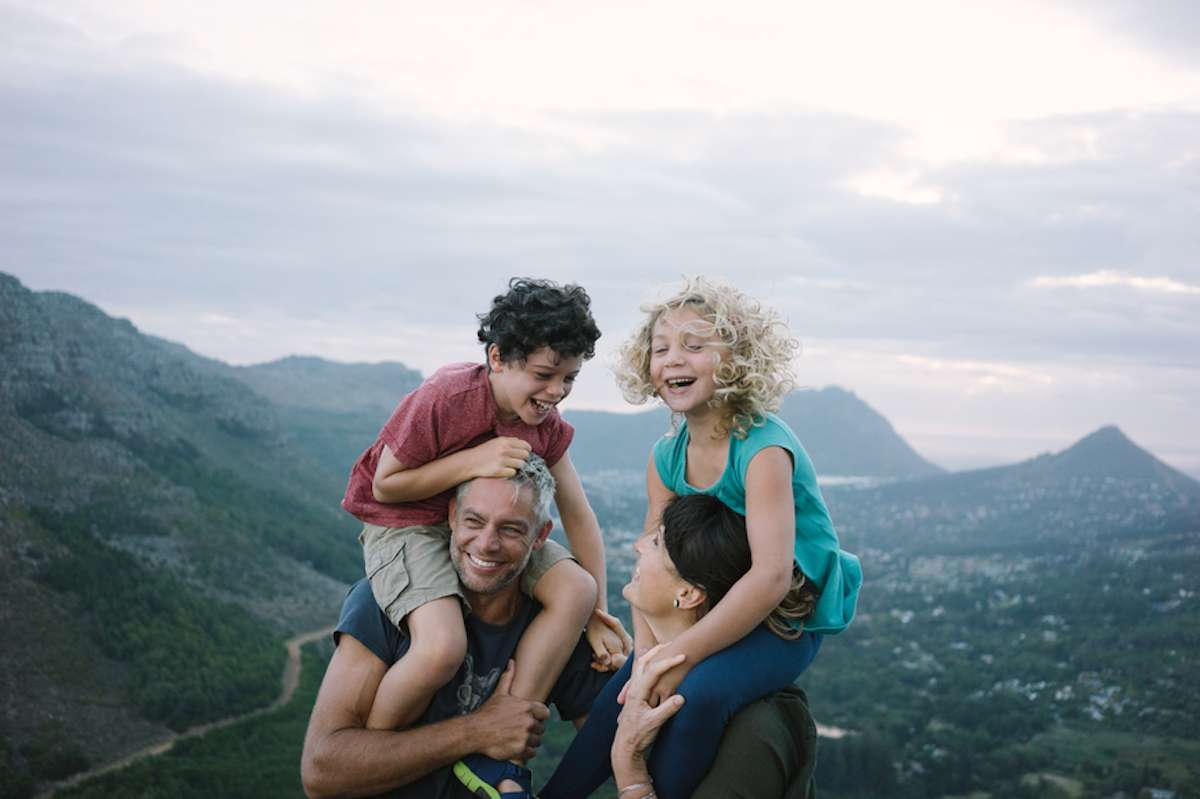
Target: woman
<point>682,570</point>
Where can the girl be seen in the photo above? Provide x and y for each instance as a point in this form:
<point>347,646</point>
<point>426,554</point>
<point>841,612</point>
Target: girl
<point>722,362</point>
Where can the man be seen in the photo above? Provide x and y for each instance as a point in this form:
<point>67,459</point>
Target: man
<point>496,525</point>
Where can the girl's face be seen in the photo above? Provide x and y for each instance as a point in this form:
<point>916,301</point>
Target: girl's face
<point>684,355</point>
<point>655,584</point>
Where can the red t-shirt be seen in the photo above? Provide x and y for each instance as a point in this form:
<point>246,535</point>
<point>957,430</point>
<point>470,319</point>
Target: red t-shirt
<point>451,411</point>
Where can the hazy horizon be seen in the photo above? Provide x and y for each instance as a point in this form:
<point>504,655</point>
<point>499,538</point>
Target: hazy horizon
<point>980,218</point>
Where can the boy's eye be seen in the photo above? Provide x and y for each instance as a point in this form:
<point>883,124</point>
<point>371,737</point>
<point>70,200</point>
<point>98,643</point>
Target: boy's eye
<point>569,379</point>
<point>544,376</point>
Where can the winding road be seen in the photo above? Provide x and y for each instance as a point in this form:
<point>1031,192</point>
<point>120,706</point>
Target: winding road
<point>288,683</point>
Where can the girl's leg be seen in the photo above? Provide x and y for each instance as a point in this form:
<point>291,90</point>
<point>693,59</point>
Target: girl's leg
<point>586,765</point>
<point>715,690</point>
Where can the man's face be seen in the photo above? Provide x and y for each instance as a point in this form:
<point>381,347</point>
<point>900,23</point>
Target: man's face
<point>494,534</point>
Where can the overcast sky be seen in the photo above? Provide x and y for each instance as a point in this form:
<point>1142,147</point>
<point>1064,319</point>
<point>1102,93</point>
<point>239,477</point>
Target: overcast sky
<point>983,219</point>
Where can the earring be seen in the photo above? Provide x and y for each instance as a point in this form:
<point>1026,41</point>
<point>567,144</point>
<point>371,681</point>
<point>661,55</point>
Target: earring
<point>676,601</point>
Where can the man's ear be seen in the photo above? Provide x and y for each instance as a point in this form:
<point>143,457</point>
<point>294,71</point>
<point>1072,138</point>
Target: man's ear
<point>453,512</point>
<point>543,534</point>
<point>692,597</point>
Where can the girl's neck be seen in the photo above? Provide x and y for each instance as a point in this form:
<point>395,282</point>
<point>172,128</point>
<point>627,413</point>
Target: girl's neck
<point>703,424</point>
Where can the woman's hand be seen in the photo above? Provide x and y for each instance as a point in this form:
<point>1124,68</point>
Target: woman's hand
<point>639,723</point>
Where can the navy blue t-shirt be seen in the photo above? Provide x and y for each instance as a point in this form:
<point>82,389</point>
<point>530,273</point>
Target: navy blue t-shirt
<point>489,648</point>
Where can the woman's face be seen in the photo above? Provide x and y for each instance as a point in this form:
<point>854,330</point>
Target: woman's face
<point>655,583</point>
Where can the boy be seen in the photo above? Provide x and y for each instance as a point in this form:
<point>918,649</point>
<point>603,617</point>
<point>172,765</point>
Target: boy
<point>484,420</point>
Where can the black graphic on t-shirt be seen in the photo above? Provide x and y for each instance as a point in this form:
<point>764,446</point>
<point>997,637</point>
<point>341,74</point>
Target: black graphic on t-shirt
<point>474,689</point>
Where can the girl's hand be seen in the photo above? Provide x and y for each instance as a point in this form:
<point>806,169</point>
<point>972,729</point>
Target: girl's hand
<point>666,684</point>
<point>639,722</point>
<point>610,643</point>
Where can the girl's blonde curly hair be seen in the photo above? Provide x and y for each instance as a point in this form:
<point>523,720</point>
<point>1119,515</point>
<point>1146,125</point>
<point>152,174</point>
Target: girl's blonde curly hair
<point>751,380</point>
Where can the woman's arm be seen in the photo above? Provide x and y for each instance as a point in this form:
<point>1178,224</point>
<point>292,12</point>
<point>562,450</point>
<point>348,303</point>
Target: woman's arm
<point>639,723</point>
<point>770,527</point>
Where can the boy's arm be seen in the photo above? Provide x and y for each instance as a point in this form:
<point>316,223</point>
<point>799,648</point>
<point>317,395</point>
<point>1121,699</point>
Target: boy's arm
<point>580,524</point>
<point>343,758</point>
<point>770,527</point>
<point>395,482</point>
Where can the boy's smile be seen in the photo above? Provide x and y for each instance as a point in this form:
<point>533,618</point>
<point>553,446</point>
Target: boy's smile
<point>529,390</point>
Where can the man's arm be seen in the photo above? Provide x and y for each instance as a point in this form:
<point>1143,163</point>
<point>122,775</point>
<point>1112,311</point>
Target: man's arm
<point>343,758</point>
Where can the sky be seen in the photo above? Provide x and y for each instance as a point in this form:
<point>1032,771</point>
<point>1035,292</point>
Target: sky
<point>982,218</point>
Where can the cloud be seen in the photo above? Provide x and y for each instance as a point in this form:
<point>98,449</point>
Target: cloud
<point>324,221</point>
<point>1107,278</point>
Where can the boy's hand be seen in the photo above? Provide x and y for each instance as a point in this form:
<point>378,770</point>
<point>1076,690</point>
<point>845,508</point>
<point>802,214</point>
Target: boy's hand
<point>609,641</point>
<point>499,457</point>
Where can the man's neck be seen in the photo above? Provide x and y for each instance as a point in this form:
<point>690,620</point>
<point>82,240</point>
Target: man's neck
<point>497,608</point>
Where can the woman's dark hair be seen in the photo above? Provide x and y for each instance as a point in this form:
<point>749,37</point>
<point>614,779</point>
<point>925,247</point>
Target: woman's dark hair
<point>540,313</point>
<point>707,543</point>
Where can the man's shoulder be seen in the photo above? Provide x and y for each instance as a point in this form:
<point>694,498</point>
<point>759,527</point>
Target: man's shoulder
<point>362,619</point>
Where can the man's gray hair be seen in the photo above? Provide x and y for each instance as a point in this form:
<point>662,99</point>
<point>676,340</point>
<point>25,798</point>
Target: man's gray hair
<point>535,474</point>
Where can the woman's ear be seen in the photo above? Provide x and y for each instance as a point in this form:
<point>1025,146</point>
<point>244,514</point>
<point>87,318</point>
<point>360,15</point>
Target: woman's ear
<point>691,597</point>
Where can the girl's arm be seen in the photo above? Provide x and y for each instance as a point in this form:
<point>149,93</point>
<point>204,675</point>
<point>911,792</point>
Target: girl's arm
<point>770,526</point>
<point>657,497</point>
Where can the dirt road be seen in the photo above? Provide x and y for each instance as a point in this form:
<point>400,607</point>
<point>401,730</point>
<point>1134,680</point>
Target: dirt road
<point>288,683</point>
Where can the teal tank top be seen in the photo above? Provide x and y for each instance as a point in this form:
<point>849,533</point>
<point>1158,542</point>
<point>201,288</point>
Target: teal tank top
<point>837,574</point>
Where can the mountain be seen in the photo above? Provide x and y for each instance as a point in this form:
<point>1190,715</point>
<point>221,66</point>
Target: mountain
<point>317,384</point>
<point>842,434</point>
<point>1102,486</point>
<point>158,526</point>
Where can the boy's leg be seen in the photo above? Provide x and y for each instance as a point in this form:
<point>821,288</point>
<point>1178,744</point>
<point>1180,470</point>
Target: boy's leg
<point>567,594</point>
<point>715,690</point>
<point>438,645</point>
<point>416,586</point>
<point>587,763</point>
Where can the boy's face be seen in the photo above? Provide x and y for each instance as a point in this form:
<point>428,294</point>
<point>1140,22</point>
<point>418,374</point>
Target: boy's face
<point>528,390</point>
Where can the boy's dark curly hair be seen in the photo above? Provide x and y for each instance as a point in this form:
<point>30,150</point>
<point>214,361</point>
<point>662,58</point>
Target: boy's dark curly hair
<point>540,313</point>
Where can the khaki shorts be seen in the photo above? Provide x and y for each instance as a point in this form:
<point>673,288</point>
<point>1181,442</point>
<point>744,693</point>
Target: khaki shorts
<point>410,566</point>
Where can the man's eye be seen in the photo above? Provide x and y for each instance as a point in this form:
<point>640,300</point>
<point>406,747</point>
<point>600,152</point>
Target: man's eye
<point>544,376</point>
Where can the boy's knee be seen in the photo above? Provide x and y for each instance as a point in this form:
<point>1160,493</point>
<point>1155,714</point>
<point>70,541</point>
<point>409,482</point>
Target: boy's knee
<point>574,591</point>
<point>440,653</point>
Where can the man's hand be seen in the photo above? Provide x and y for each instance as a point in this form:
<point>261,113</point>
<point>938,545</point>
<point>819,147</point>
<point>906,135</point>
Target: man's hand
<point>499,457</point>
<point>610,643</point>
<point>510,728</point>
